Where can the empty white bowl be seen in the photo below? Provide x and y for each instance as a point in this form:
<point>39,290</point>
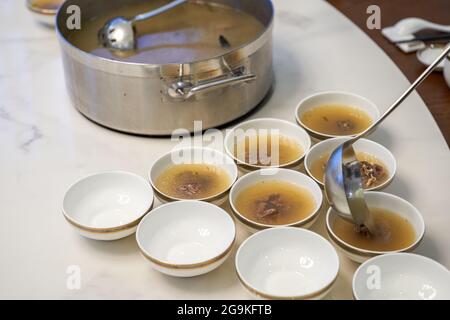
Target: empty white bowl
<point>186,238</point>
<point>430,53</point>
<point>401,276</point>
<point>334,98</point>
<point>108,205</point>
<point>276,174</point>
<point>287,263</point>
<point>194,155</point>
<point>268,126</point>
<point>372,148</point>
<point>384,201</point>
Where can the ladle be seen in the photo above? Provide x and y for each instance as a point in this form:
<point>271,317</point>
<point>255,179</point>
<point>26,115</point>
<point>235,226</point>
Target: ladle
<point>343,181</point>
<point>120,33</point>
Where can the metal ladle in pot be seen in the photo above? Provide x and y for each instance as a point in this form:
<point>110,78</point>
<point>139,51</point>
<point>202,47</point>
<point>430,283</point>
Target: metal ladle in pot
<point>343,182</point>
<point>120,34</point>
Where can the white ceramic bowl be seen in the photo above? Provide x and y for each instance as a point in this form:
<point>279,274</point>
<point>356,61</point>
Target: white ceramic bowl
<point>43,13</point>
<point>385,201</point>
<point>194,155</point>
<point>287,263</point>
<point>401,276</point>
<point>336,98</point>
<point>253,127</point>
<point>430,53</point>
<point>107,205</point>
<point>186,238</point>
<point>285,175</point>
<point>363,145</point>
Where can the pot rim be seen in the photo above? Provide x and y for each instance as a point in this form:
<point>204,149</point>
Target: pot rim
<point>143,69</point>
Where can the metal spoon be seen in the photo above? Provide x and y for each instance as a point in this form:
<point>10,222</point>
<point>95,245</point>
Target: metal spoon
<point>120,34</point>
<point>343,183</point>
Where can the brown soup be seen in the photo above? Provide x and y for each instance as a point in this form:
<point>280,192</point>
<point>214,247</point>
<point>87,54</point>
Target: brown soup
<point>45,4</point>
<point>275,203</point>
<point>374,172</point>
<point>267,150</point>
<point>190,32</point>
<point>193,181</point>
<point>395,232</point>
<point>338,120</point>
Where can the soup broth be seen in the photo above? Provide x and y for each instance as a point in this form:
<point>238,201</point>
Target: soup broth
<point>267,150</point>
<point>190,32</point>
<point>45,4</point>
<point>339,120</point>
<point>275,203</point>
<point>374,172</point>
<point>193,181</point>
<point>395,232</point>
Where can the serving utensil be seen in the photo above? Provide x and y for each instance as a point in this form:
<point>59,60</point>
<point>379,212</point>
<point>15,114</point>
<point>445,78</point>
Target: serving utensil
<point>405,30</point>
<point>120,33</point>
<point>425,38</point>
<point>343,183</point>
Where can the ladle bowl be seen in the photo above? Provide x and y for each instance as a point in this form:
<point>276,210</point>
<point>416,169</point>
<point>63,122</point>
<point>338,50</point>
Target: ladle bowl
<point>343,181</point>
<point>119,33</point>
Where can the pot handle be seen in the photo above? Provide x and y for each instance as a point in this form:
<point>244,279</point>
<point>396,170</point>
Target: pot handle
<point>183,90</point>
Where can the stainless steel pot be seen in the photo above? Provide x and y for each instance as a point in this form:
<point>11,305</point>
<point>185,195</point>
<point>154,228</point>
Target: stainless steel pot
<point>154,99</point>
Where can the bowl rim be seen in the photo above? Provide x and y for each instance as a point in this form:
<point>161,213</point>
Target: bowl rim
<point>40,10</point>
<point>372,253</point>
<point>387,256</point>
<point>78,224</point>
<point>261,226</point>
<point>211,198</point>
<point>314,294</point>
<point>321,135</point>
<point>419,55</point>
<point>379,145</point>
<point>181,266</point>
<point>252,167</point>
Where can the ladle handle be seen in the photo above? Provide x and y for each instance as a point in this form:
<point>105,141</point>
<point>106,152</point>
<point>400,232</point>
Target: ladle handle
<point>150,14</point>
<point>416,83</point>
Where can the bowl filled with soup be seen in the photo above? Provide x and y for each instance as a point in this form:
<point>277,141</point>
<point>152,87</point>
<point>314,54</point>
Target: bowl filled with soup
<point>44,11</point>
<point>334,114</point>
<point>378,165</point>
<point>193,173</point>
<point>400,228</point>
<point>275,197</point>
<point>267,143</point>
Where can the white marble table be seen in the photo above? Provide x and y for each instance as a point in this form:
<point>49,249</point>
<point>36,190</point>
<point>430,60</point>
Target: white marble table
<point>46,145</point>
